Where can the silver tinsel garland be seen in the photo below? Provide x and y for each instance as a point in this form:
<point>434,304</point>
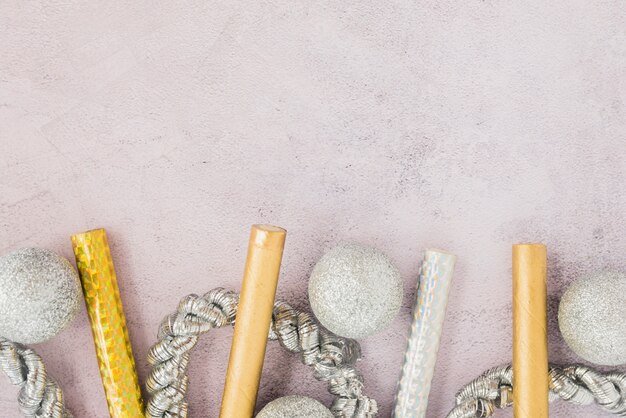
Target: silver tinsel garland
<point>332,358</point>
<point>576,384</point>
<point>39,395</point>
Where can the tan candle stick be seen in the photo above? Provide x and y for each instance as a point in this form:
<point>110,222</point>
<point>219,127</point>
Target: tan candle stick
<point>254,315</point>
<point>530,340</point>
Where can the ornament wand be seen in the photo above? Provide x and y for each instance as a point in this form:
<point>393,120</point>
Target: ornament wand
<point>423,343</point>
<point>254,315</point>
<point>530,340</point>
<point>108,324</point>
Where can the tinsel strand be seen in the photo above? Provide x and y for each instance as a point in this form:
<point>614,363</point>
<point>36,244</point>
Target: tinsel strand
<point>577,384</point>
<point>332,358</point>
<point>39,395</point>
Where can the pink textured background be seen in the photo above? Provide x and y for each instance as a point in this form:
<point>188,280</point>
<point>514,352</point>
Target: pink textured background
<point>402,124</point>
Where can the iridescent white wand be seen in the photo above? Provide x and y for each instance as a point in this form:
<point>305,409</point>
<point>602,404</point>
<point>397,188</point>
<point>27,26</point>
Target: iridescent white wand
<point>423,343</point>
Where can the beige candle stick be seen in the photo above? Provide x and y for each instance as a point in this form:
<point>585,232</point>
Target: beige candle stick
<point>254,315</point>
<point>530,340</point>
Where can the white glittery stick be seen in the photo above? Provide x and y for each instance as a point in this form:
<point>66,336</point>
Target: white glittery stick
<point>423,343</point>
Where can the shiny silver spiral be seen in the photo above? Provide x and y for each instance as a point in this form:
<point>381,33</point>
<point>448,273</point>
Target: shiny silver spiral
<point>39,394</point>
<point>576,384</point>
<point>332,358</point>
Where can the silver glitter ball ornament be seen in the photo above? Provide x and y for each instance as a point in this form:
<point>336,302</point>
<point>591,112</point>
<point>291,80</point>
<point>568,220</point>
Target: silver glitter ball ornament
<point>294,407</point>
<point>592,316</point>
<point>355,291</point>
<point>39,295</point>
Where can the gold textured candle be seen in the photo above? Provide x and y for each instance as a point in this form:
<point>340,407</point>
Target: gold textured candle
<point>108,324</point>
<point>254,315</point>
<point>530,339</point>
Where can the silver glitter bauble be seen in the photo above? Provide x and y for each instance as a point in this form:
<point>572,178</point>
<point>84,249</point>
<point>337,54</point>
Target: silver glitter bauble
<point>592,316</point>
<point>355,291</point>
<point>294,407</point>
<point>39,295</point>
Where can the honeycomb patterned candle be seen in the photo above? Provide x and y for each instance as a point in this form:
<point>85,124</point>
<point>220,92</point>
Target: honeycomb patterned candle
<point>423,343</point>
<point>104,306</point>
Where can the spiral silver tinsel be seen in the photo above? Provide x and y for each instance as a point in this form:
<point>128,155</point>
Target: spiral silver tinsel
<point>39,395</point>
<point>576,384</point>
<point>332,358</point>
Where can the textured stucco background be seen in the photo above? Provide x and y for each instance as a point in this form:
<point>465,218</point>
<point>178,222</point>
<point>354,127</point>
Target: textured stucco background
<point>467,125</point>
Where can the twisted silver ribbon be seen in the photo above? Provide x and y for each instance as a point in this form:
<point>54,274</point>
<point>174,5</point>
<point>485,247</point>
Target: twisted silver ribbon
<point>39,394</point>
<point>332,358</point>
<point>576,384</point>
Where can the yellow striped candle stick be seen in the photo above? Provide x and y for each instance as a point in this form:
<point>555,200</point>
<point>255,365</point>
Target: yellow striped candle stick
<point>108,324</point>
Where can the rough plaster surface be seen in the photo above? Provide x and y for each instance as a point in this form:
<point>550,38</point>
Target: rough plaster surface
<point>466,125</point>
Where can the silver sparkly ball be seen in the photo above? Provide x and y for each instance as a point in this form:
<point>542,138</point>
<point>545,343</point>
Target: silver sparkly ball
<point>591,318</point>
<point>355,291</point>
<point>294,407</point>
<point>39,295</point>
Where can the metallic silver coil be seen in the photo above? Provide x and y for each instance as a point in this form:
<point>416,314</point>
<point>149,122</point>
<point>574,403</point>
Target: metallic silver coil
<point>577,384</point>
<point>39,394</point>
<point>332,358</point>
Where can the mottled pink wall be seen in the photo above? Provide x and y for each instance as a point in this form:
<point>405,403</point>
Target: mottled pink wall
<point>467,125</point>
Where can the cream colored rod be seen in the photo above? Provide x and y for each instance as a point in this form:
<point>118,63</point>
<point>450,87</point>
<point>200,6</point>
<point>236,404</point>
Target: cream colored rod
<point>530,339</point>
<point>254,315</point>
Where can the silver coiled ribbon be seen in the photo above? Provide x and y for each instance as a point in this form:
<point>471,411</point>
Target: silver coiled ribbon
<point>576,384</point>
<point>39,394</point>
<point>332,358</point>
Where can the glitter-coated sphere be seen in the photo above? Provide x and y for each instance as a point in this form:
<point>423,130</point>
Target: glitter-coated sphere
<point>39,295</point>
<point>355,291</point>
<point>592,316</point>
<point>294,407</point>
